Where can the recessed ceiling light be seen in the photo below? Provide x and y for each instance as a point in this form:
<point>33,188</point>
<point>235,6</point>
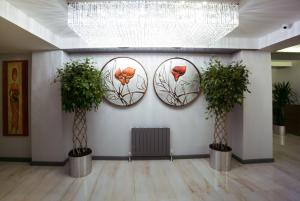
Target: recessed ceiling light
<point>293,49</point>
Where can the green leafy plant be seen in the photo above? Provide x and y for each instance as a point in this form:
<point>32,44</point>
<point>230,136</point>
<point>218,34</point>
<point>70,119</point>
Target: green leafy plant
<point>283,95</point>
<point>223,87</point>
<point>81,91</point>
<point>81,86</point>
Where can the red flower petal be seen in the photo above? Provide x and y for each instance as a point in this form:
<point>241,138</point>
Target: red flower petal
<point>125,75</point>
<point>178,71</point>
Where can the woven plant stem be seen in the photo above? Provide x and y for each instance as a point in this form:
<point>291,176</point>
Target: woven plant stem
<point>220,133</point>
<point>79,132</point>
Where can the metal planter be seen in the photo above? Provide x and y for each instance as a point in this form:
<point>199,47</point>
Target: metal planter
<point>80,166</point>
<point>220,160</point>
<point>280,130</point>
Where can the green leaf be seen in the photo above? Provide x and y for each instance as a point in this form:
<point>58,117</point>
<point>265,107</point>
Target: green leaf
<point>283,94</point>
<point>224,85</point>
<point>81,85</point>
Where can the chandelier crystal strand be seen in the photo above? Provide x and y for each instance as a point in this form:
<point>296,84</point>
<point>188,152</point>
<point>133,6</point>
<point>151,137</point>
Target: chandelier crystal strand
<point>152,23</point>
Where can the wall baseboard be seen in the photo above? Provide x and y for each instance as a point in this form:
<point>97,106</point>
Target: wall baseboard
<point>132,158</point>
<point>15,159</point>
<point>150,157</point>
<point>110,158</point>
<point>49,163</point>
<point>252,161</point>
<point>190,156</point>
<point>175,157</point>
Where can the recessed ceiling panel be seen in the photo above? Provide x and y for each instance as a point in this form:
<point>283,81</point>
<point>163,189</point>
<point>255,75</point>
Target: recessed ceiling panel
<point>260,17</point>
<point>50,13</point>
<point>14,39</point>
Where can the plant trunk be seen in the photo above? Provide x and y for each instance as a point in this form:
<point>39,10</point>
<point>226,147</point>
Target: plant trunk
<point>220,133</point>
<point>79,133</point>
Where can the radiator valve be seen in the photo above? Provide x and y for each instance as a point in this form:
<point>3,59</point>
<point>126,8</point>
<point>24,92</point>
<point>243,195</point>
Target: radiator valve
<point>172,153</point>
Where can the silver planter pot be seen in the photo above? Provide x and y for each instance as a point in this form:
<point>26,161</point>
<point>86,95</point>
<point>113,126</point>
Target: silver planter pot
<point>279,129</point>
<point>80,166</point>
<point>220,160</point>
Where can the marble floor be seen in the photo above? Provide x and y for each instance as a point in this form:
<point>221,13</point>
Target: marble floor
<point>180,180</point>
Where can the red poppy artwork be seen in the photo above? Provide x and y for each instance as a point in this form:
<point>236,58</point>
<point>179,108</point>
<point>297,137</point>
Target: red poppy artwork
<point>125,81</point>
<point>178,71</point>
<point>125,75</point>
<point>177,82</point>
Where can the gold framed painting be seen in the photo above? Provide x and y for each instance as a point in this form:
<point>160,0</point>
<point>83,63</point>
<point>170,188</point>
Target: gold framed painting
<point>15,98</point>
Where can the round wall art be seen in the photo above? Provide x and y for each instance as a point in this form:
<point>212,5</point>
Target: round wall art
<point>177,82</point>
<point>124,80</point>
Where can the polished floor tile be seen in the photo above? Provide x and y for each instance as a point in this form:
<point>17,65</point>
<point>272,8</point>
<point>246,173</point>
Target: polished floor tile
<point>180,180</point>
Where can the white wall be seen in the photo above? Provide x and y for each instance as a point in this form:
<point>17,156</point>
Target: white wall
<point>235,124</point>
<point>48,140</point>
<point>254,139</point>
<point>14,146</point>
<point>109,128</point>
<point>290,74</point>
<point>250,126</point>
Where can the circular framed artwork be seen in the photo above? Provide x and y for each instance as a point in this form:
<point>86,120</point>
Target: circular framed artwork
<point>177,82</point>
<point>125,81</point>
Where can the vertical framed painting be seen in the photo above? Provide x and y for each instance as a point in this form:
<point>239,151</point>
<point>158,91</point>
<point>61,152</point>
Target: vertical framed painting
<point>15,98</point>
<point>125,81</point>
<point>177,82</point>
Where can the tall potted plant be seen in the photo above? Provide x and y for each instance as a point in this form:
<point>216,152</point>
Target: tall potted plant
<point>81,91</point>
<point>223,87</point>
<point>283,95</point>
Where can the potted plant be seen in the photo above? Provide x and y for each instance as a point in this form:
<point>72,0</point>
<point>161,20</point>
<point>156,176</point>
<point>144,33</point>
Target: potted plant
<point>223,87</point>
<point>283,95</point>
<point>81,91</point>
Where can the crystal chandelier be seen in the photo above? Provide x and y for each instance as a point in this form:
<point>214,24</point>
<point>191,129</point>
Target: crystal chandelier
<point>152,23</point>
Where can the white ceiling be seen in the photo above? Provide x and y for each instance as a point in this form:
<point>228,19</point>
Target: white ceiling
<point>50,13</point>
<point>260,17</point>
<point>257,17</point>
<point>13,39</point>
